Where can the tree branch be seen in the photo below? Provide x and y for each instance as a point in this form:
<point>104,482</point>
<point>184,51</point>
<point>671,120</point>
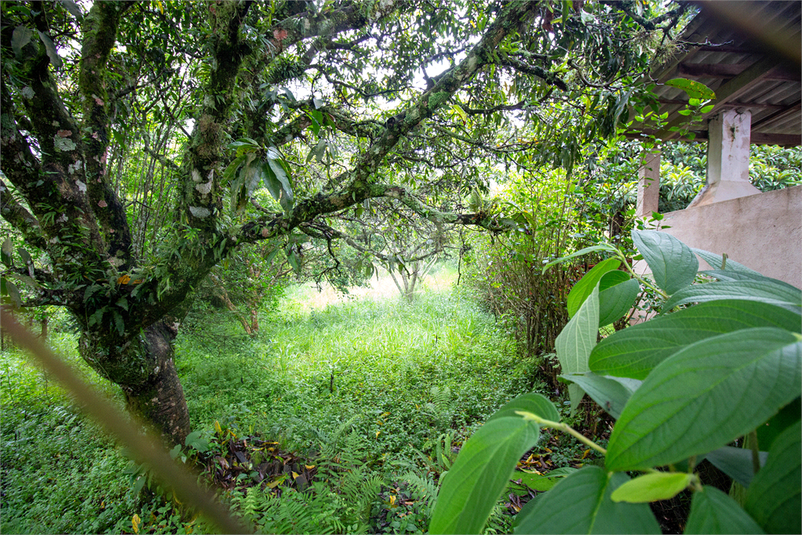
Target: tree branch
<point>534,70</point>
<point>202,199</point>
<point>359,178</point>
<point>100,32</point>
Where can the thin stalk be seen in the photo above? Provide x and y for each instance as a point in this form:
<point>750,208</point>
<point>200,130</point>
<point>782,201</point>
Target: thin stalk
<point>691,463</point>
<point>639,278</point>
<point>755,451</point>
<point>564,428</point>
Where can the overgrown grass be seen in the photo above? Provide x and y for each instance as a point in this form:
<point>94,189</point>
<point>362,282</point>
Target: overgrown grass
<point>400,373</point>
<point>375,390</point>
<point>59,473</point>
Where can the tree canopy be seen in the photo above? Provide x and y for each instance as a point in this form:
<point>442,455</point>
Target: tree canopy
<point>145,142</point>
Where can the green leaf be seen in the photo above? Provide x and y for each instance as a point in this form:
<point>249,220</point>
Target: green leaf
<point>774,499</point>
<point>96,317</point>
<point>618,299</point>
<point>55,60</point>
<point>708,108</point>
<point>611,393</point>
<point>232,168</point>
<point>588,282</point>
<point>278,183</point>
<point>652,487</point>
<point>9,289</point>
<point>271,255</point>
<point>30,282</point>
<point>21,37</point>
<point>294,261</point>
<point>635,351</point>
<point>532,481</point>
<point>581,503</point>
<point>728,275</point>
<point>7,253</point>
<point>712,511</point>
<point>673,264</point>
<point>118,322</point>
<point>122,302</point>
<point>576,340</point>
<point>705,396</point>
<point>736,463</point>
<point>480,474</point>
<point>72,7</point>
<point>788,416</point>
<point>765,291</point>
<point>693,88</point>
<point>26,259</point>
<point>537,404</point>
<point>586,250</point>
<point>317,151</point>
<point>316,118</point>
<point>716,260</point>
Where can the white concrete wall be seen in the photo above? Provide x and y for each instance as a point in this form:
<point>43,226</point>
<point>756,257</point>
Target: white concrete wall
<point>763,232</point>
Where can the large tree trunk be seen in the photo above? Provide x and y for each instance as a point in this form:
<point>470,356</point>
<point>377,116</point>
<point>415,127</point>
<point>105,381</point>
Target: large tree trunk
<point>143,367</point>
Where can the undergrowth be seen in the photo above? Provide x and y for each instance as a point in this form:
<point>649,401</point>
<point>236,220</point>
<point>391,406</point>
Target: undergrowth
<point>377,394</point>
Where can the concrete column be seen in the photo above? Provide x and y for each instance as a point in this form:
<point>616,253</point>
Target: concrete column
<point>727,159</point>
<point>648,183</point>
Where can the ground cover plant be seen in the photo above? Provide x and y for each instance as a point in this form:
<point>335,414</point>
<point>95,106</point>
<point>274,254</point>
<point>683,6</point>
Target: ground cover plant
<point>367,397</point>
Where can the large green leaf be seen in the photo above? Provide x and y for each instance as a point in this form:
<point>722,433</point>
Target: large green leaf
<point>774,498</point>
<point>635,351</point>
<point>537,482</point>
<point>50,48</point>
<point>7,253</point>
<point>705,396</point>
<point>595,248</point>
<point>712,511</point>
<point>736,463</point>
<point>763,291</point>
<point>652,487</point>
<point>582,289</point>
<point>537,404</point>
<point>480,474</point>
<point>611,393</point>
<point>576,340</point>
<point>616,300</point>
<point>19,38</point>
<point>788,416</point>
<point>581,504</point>
<point>280,172</point>
<point>673,264</point>
<point>731,266</point>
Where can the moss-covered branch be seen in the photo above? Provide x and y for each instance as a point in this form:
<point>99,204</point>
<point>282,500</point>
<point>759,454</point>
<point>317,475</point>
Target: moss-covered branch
<point>203,199</point>
<point>100,32</point>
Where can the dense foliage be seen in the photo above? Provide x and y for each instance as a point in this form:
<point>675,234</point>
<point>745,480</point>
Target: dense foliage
<point>684,387</point>
<point>146,142</point>
<point>373,407</point>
